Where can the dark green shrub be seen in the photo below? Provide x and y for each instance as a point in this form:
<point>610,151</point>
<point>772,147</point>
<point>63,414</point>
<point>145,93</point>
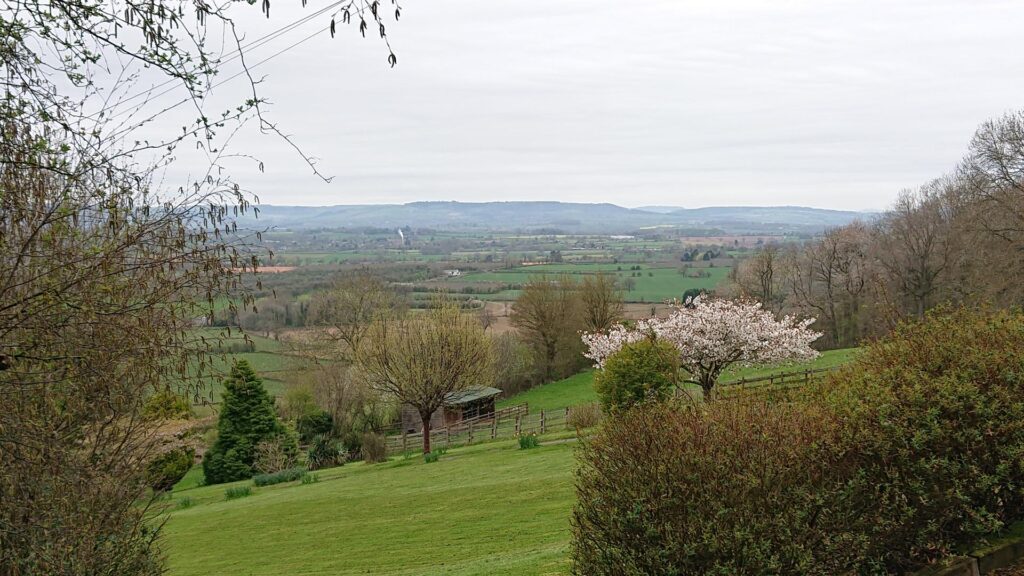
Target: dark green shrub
<point>166,405</point>
<point>374,448</point>
<point>431,457</point>
<point>184,503</point>
<point>164,471</point>
<point>247,418</point>
<point>643,371</point>
<point>910,452</point>
<point>324,452</point>
<point>527,441</point>
<point>289,475</point>
<point>311,425</point>
<point>310,479</point>
<point>237,492</point>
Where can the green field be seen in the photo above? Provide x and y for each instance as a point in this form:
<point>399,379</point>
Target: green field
<point>653,283</point>
<point>272,360</point>
<point>485,509</point>
<point>579,388</point>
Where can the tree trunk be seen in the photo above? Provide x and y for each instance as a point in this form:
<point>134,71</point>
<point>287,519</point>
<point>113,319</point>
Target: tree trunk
<point>426,432</point>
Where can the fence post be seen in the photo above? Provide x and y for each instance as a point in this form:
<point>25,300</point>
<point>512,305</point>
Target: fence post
<point>541,421</point>
<point>470,433</point>
<point>567,417</point>
<point>494,427</point>
<point>517,424</point>
<point>405,442</point>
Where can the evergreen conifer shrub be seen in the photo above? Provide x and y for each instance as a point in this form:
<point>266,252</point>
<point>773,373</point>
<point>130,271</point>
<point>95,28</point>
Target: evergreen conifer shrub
<point>247,418</point>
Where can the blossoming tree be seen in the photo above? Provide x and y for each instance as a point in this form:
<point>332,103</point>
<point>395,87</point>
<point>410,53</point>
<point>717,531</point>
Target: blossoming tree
<point>712,335</point>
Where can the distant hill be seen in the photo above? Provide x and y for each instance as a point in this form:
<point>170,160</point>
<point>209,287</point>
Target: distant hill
<point>551,216</point>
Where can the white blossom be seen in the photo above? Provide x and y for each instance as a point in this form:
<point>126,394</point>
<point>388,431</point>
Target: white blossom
<point>714,334</point>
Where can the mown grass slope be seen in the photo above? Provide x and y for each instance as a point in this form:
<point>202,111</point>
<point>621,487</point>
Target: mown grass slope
<point>486,509</point>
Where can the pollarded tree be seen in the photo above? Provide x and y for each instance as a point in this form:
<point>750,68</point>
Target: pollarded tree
<point>421,358</point>
<point>712,335</point>
<point>247,418</point>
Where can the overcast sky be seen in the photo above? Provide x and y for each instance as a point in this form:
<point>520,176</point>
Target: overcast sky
<point>675,102</point>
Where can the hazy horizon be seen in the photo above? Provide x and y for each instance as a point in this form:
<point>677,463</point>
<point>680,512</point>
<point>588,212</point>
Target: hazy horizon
<point>835,105</point>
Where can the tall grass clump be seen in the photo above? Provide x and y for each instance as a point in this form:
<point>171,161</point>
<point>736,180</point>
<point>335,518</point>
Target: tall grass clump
<point>237,492</point>
<point>913,450</point>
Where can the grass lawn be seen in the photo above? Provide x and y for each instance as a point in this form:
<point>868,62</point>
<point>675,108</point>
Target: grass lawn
<point>579,388</point>
<point>484,509</point>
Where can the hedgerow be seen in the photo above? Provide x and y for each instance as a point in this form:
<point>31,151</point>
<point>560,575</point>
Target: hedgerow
<point>915,449</point>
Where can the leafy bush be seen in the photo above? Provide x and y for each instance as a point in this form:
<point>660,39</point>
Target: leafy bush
<point>312,425</point>
<point>289,475</point>
<point>324,453</point>
<point>185,502</point>
<point>247,418</point>
<point>374,448</point>
<point>583,416</point>
<point>911,451</point>
<point>527,441</point>
<point>310,479</point>
<point>166,405</point>
<point>639,372</point>
<point>164,471</point>
<point>431,457</point>
<point>237,492</point>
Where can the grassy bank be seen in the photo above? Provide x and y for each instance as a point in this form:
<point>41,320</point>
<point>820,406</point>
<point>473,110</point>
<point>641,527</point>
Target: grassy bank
<point>486,509</point>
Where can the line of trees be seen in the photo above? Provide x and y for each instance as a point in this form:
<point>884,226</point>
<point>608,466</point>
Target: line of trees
<point>551,312</point>
<point>959,238</point>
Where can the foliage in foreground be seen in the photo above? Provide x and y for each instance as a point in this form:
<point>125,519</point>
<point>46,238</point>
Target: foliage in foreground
<point>912,450</point>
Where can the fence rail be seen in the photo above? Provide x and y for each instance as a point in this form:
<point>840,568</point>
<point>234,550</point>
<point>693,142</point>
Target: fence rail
<point>507,423</point>
<point>516,420</point>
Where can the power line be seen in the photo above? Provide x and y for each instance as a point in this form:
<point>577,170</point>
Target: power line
<point>231,56</point>
<point>236,75</point>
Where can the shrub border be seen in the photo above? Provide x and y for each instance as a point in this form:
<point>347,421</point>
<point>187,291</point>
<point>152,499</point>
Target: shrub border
<point>984,561</point>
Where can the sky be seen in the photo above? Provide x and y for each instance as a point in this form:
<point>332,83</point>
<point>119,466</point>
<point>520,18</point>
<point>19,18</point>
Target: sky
<point>678,102</point>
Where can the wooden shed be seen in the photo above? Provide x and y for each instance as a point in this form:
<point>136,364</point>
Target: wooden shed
<point>458,406</point>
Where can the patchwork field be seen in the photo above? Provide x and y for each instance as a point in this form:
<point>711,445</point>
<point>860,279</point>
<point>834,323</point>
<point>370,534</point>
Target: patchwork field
<point>645,283</point>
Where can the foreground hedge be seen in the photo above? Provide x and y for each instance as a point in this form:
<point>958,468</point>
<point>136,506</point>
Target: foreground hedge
<point>915,448</point>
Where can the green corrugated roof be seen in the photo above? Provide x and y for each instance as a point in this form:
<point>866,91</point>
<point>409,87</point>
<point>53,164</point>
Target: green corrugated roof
<point>470,395</point>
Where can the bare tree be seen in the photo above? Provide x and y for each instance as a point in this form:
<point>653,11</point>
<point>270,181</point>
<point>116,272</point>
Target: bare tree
<point>601,301</point>
<point>343,313</point>
<point>759,276</point>
<point>547,315</point>
<point>104,268</point>
<point>912,246</point>
<point>420,359</point>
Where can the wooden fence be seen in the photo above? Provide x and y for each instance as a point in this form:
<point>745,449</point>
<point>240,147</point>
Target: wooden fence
<point>507,423</point>
<point>514,421</point>
<point>779,385</point>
